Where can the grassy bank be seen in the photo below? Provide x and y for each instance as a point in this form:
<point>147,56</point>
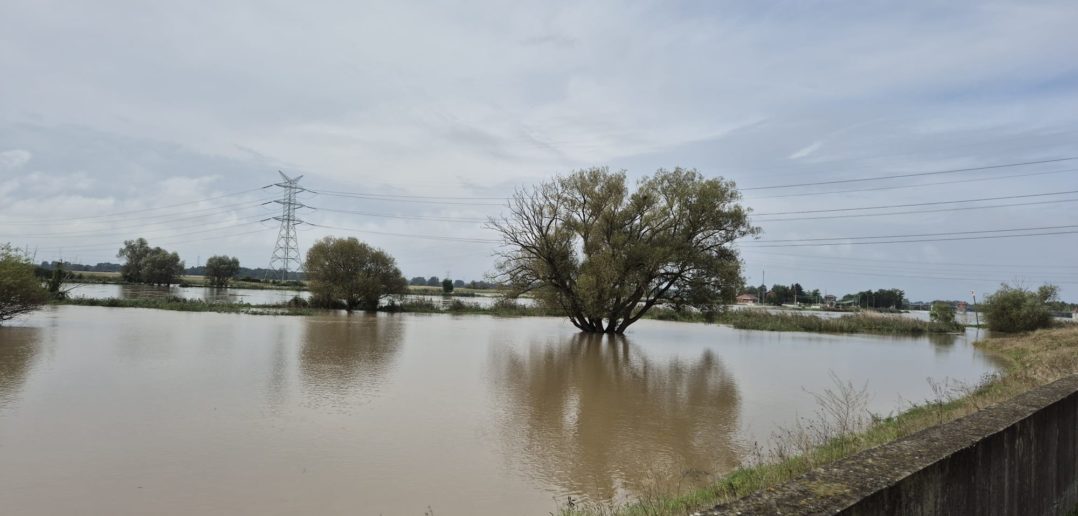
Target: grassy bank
<point>860,322</point>
<point>501,308</point>
<point>865,322</point>
<point>189,305</point>
<point>1032,360</point>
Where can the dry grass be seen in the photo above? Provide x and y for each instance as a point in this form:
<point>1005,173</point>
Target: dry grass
<point>843,426</point>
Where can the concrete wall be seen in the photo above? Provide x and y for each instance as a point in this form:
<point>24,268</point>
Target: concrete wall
<point>1019,457</point>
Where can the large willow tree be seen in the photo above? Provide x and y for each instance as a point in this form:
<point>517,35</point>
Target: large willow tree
<point>606,255</point>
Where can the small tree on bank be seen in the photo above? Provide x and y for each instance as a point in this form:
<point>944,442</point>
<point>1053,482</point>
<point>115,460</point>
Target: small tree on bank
<point>221,269</point>
<point>20,290</point>
<point>447,286</point>
<point>345,270</point>
<point>1015,309</point>
<point>606,255</point>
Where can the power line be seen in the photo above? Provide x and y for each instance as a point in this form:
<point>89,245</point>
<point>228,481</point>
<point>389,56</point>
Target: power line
<point>141,225</point>
<point>914,235</point>
<point>170,216</point>
<point>912,174</point>
<point>105,247</point>
<point>131,212</point>
<point>402,196</point>
<point>404,217</point>
<point>406,235</point>
<point>909,205</point>
<point>990,237</point>
<point>917,185</point>
<point>919,212</point>
<point>417,201</point>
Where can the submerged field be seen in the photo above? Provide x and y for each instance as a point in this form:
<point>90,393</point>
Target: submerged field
<point>112,410</point>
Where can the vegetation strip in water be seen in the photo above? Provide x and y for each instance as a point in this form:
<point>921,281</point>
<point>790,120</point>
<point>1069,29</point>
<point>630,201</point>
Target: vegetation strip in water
<point>1033,359</point>
<point>741,319</point>
<point>856,323</point>
<point>189,305</point>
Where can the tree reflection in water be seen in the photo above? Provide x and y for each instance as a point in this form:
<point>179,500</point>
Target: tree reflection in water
<point>602,420</point>
<point>18,348</point>
<point>348,357</point>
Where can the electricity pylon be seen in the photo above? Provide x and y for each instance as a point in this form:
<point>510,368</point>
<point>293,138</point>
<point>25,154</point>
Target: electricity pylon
<point>285,256</point>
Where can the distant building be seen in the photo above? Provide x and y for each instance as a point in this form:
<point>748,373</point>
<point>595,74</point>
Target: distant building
<point>829,300</point>
<point>962,306</point>
<point>746,299</point>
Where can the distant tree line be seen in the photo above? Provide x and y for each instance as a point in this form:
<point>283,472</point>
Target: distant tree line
<point>79,267</point>
<point>256,274</point>
<point>883,298</point>
<point>435,281</point>
<point>780,294</point>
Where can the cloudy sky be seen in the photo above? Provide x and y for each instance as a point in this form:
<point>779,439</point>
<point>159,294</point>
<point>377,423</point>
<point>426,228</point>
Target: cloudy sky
<point>165,119</point>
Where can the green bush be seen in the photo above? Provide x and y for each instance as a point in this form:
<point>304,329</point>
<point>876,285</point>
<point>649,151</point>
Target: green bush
<point>1013,309</point>
<point>20,289</point>
<point>942,312</point>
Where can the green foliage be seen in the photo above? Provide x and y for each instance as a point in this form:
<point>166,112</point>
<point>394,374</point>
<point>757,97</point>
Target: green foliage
<point>882,298</point>
<point>134,253</point>
<point>433,281</point>
<point>54,283</point>
<point>447,286</point>
<point>1015,309</point>
<point>161,267</point>
<point>780,295</point>
<point>606,255</point>
<point>345,270</point>
<point>20,290</point>
<point>221,269</point>
<point>942,311</point>
<point>861,323</point>
<point>193,305</point>
<point>144,264</point>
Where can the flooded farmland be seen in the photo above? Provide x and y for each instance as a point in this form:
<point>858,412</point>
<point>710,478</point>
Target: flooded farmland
<point>107,411</point>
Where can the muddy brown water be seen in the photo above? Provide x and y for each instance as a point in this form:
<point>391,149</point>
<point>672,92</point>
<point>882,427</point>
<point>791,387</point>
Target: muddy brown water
<point>133,411</point>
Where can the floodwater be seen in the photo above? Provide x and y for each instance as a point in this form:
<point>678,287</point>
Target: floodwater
<point>133,411</point>
<point>241,295</point>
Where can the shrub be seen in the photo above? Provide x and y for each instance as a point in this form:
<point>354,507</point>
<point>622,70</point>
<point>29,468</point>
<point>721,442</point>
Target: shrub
<point>20,289</point>
<point>1014,309</point>
<point>942,312</point>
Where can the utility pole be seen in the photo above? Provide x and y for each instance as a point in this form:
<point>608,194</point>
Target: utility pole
<point>763,295</point>
<point>285,258</point>
<point>974,307</point>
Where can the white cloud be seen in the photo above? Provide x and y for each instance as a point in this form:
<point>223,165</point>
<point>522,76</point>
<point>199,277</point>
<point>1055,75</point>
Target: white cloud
<point>473,100</point>
<point>14,158</point>
<point>806,151</point>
